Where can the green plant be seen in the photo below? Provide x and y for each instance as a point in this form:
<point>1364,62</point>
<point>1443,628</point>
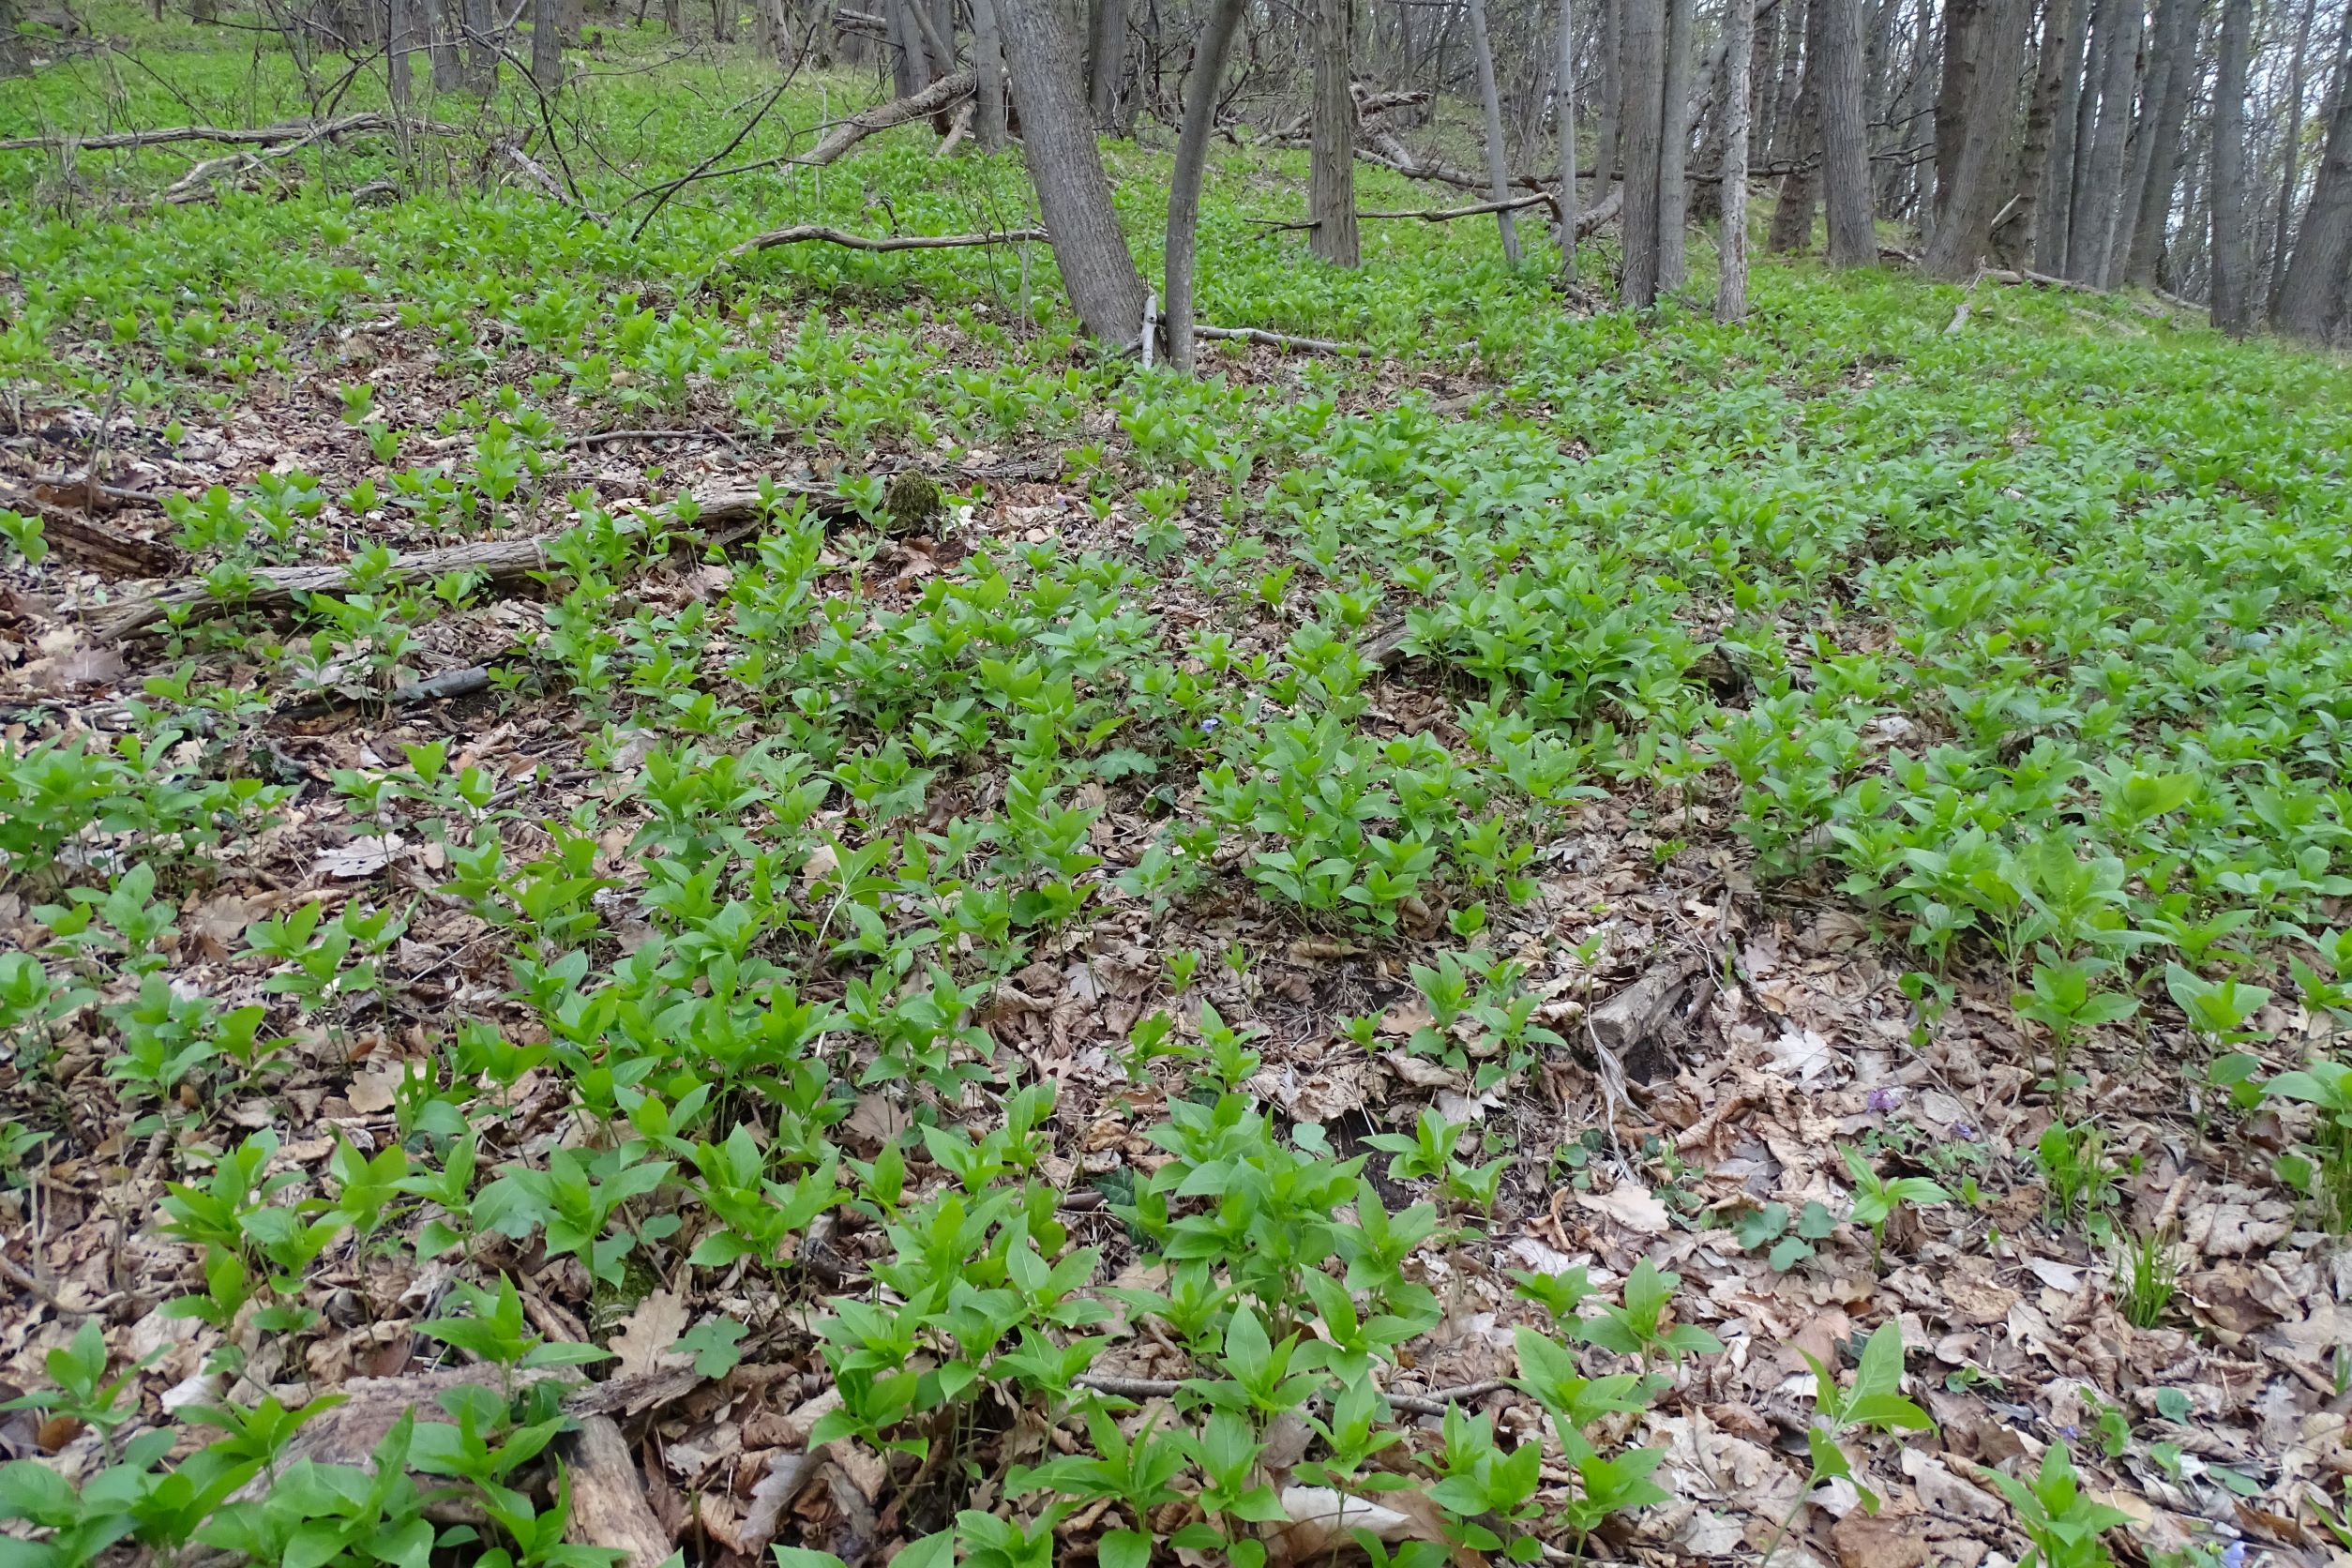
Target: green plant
<point>84,1396</point>
<point>1877,1199</point>
<point>2083,1182</point>
<point>1874,1403</point>
<point>2326,1173</point>
<point>1640,1326</point>
<point>2146,1278</point>
<point>2067,1529</point>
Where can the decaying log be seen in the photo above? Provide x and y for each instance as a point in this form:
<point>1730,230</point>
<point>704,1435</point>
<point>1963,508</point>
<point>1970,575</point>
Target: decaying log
<point>1278,339</point>
<point>261,136</point>
<point>109,550</point>
<point>608,1507</point>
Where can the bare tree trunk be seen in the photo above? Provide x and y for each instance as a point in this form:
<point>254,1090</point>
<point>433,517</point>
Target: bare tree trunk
<point>1066,165</point>
<point>1610,133</point>
<point>1565,89</point>
<point>2311,293</point>
<point>400,36</point>
<point>1970,194</point>
<point>1183,188</point>
<point>1800,189</point>
<point>1674,148</point>
<point>2230,296</point>
<point>1331,175</point>
<point>481,47</point>
<point>2176,42</point>
<point>1845,139</point>
<point>908,59</point>
<point>449,74</point>
<point>1105,52</point>
<point>2289,162</point>
<point>2052,111</point>
<point>1497,165</point>
<point>987,64</point>
<point>546,45</point>
<point>1645,124</point>
<point>2098,207</point>
<point>1731,271</point>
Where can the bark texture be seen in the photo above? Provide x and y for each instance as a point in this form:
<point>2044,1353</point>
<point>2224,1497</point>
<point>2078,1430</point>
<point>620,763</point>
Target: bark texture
<point>2232,296</point>
<point>1106,54</point>
<point>1497,166</point>
<point>2173,73</point>
<point>988,64</point>
<point>1844,138</point>
<point>1793,217</point>
<point>2312,293</point>
<point>1971,193</point>
<point>1564,77</point>
<point>2061,53</point>
<point>2098,177</point>
<point>1067,166</point>
<point>1183,188</point>
<point>1332,177</point>
<point>1731,272</point>
<point>1644,69</point>
<point>1674,145</point>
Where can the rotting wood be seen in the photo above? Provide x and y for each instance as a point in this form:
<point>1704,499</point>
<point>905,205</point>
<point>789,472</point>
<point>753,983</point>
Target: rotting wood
<point>1278,339</point>
<point>111,550</point>
<point>1586,222</point>
<point>260,136</point>
<point>608,1507</point>
<point>448,685</point>
<point>939,95</point>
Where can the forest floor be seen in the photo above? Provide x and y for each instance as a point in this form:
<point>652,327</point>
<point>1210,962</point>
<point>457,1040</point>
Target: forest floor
<point>1578,869</point>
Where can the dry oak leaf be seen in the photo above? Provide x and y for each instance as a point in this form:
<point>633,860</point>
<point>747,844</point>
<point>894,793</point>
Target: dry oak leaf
<point>1632,1206</point>
<point>1862,1540</point>
<point>643,1343</point>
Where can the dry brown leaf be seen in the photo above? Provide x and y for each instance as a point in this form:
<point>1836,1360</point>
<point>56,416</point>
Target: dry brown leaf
<point>1630,1205</point>
<point>643,1343</point>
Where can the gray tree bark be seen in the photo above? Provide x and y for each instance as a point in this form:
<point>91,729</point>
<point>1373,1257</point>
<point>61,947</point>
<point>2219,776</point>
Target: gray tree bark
<point>1968,198</point>
<point>481,47</point>
<point>1065,164</point>
<point>1106,54</point>
<point>2312,293</point>
<point>400,36</point>
<point>1607,134</point>
<point>2173,74</point>
<point>1497,165</point>
<point>1644,69</point>
<point>1801,187</point>
<point>1731,271</point>
<point>1565,69</point>
<point>448,70</point>
<point>2098,203</point>
<point>1184,189</point>
<point>1674,148</point>
<point>987,64</point>
<point>1332,137</point>
<point>2290,170</point>
<point>2051,112</point>
<point>546,45</point>
<point>1845,139</point>
<point>2231,295</point>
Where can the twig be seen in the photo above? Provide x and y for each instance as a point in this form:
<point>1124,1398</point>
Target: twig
<point>1278,339</point>
<point>801,232</point>
<point>599,438</point>
<point>699,170</point>
<point>263,135</point>
<point>1432,1403</point>
<point>23,1280</point>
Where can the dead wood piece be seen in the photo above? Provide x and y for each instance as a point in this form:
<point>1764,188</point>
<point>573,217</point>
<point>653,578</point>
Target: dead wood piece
<point>258,136</point>
<point>847,21</point>
<point>1636,1013</point>
<point>914,106</point>
<point>608,1507</point>
<point>801,232</point>
<point>111,550</point>
<point>1278,339</point>
<point>635,1395</point>
<point>599,438</point>
<point>437,688</point>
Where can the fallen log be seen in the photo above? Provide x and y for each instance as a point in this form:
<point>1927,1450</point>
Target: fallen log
<point>801,233</point>
<point>261,136</point>
<point>1586,222</point>
<point>1277,340</point>
<point>608,1496</point>
<point>109,550</point>
<point>939,95</point>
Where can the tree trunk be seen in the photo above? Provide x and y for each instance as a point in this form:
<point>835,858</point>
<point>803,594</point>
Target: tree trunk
<point>1610,133</point>
<point>1845,139</point>
<point>2231,294</point>
<point>448,73</point>
<point>481,47</point>
<point>2098,207</point>
<point>1497,165</point>
<point>1565,102</point>
<point>1968,195</point>
<point>2051,112</point>
<point>1645,116</point>
<point>2312,293</point>
<point>1731,272</point>
<point>1066,165</point>
<point>2176,42</point>
<point>1674,148</point>
<point>987,64</point>
<point>1183,188</point>
<point>15,60</point>
<point>1964,44</point>
<point>908,59</point>
<point>400,35</point>
<point>1105,52</point>
<point>2289,161</point>
<point>1792,216</point>
<point>546,45</point>
<point>1332,177</point>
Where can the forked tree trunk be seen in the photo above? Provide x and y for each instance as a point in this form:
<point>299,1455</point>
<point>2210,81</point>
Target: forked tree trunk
<point>988,64</point>
<point>1993,54</point>
<point>1065,164</point>
<point>1800,189</point>
<point>546,45</point>
<point>1498,165</point>
<point>2313,290</point>
<point>1731,271</point>
<point>2232,293</point>
<point>1674,147</point>
<point>1565,67</point>
<point>2172,78</point>
<point>1845,139</point>
<point>1331,175</point>
<point>2099,177</point>
<point>1183,187</point>
<point>1645,112</point>
<point>1106,54</point>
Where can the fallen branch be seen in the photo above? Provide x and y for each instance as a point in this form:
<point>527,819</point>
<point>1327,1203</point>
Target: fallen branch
<point>608,1507</point>
<point>195,184</point>
<point>1586,222</point>
<point>939,95</point>
<point>2069,285</point>
<point>263,135</point>
<point>449,684</point>
<point>111,550</point>
<point>1278,339</point>
<point>800,233</point>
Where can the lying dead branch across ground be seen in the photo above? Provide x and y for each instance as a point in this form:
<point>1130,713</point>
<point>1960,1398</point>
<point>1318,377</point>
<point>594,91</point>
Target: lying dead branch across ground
<point>1278,339</point>
<point>801,233</point>
<point>940,95</point>
<point>1586,222</point>
<point>257,136</point>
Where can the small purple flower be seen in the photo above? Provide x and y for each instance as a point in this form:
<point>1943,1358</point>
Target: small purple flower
<point>1965,1131</point>
<point>1884,1099</point>
<point>2234,1555</point>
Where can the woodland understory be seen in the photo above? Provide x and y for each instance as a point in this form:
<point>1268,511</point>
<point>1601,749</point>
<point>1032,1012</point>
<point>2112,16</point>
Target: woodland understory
<point>685,880</point>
